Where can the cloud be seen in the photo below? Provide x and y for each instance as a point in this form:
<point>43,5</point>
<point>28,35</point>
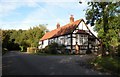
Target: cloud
<point>8,6</point>
<point>44,15</point>
<point>39,0</point>
<point>51,13</point>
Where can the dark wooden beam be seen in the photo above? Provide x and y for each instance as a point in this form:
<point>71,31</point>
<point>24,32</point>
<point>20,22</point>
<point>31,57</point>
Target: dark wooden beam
<point>71,41</point>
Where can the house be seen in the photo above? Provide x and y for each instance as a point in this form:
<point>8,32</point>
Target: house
<point>70,34</point>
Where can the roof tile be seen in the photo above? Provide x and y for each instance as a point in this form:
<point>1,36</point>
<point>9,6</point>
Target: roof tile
<point>66,29</point>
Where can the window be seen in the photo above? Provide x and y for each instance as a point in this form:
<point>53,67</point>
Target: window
<point>62,40</point>
<point>69,41</point>
<point>85,40</point>
<point>56,40</point>
<point>73,41</point>
<point>65,40</point>
<point>81,39</point>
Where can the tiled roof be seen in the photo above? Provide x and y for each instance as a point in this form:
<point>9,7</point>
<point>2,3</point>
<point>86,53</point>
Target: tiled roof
<point>66,29</point>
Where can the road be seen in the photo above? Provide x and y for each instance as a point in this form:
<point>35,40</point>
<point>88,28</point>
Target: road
<point>17,63</point>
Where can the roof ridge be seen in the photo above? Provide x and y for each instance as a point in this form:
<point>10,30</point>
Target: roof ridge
<point>62,30</point>
<point>67,24</point>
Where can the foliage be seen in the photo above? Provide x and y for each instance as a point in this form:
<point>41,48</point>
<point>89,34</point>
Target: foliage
<point>21,39</point>
<point>108,63</point>
<point>6,42</point>
<point>88,51</point>
<point>62,49</point>
<point>118,49</point>
<point>4,50</point>
<point>105,16</point>
<point>34,34</point>
<point>53,48</point>
<point>99,11</point>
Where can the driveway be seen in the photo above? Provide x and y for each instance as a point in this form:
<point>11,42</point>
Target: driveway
<point>19,63</point>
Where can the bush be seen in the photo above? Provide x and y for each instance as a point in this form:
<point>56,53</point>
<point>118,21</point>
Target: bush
<point>108,63</point>
<point>41,50</point>
<point>88,52</point>
<point>4,50</point>
<point>53,48</point>
<point>23,48</point>
<point>62,49</point>
<point>118,51</point>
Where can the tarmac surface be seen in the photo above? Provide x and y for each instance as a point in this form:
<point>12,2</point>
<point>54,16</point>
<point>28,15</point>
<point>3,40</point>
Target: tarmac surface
<point>20,63</point>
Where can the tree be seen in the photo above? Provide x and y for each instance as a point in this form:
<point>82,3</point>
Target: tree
<point>15,39</point>
<point>34,34</point>
<point>101,14</point>
<point>5,38</point>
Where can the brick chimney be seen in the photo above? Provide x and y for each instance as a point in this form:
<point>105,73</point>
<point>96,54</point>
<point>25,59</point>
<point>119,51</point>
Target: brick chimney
<point>71,19</point>
<point>58,25</point>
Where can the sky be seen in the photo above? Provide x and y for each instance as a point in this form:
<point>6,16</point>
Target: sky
<point>23,14</point>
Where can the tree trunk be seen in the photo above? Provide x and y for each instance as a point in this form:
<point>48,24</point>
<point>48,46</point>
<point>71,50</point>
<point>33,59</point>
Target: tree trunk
<point>105,28</point>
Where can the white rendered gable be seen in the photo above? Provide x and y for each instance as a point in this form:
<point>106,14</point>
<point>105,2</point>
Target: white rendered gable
<point>82,26</point>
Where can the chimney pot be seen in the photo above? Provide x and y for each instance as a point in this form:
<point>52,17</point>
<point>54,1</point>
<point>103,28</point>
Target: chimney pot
<point>71,19</point>
<point>58,25</point>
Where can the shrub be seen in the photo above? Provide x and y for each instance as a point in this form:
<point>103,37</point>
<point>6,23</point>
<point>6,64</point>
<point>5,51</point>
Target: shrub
<point>108,63</point>
<point>62,49</point>
<point>53,48</point>
<point>88,52</point>
<point>23,48</point>
<point>4,50</point>
<point>118,50</point>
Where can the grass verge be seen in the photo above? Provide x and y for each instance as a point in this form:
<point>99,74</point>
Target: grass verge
<point>107,64</point>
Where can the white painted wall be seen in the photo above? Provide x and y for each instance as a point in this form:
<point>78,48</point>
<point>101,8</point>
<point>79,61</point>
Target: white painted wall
<point>82,26</point>
<point>40,45</point>
<point>45,43</point>
<point>74,41</point>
